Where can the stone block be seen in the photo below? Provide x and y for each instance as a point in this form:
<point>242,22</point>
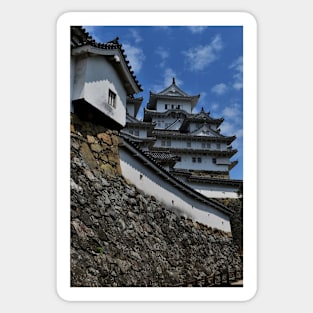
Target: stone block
<point>115,140</point>
<point>87,155</point>
<point>108,169</point>
<point>105,138</point>
<point>91,139</point>
<point>96,147</point>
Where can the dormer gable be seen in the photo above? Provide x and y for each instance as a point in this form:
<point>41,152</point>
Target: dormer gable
<point>173,90</point>
<point>205,130</point>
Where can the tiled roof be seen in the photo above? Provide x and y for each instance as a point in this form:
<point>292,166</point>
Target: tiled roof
<point>193,177</point>
<point>162,156</point>
<point>80,37</point>
<point>163,133</point>
<point>219,153</point>
<point>201,117</point>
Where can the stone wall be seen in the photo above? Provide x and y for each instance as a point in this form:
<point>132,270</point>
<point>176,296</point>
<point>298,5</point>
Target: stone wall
<point>236,220</point>
<point>97,145</point>
<point>122,237</point>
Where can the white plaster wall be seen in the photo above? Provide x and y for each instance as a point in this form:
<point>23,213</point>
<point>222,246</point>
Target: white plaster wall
<point>206,163</point>
<point>222,161</point>
<point>142,133</point>
<point>212,191</point>
<point>94,76</point>
<point>160,107</point>
<point>79,64</point>
<point>149,182</point>
<point>179,143</point>
<point>131,109</point>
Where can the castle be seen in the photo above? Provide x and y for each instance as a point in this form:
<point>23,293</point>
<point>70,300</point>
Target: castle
<point>188,145</point>
<point>172,153</point>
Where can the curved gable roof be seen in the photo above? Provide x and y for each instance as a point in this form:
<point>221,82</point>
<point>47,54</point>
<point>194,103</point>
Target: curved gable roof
<point>170,92</point>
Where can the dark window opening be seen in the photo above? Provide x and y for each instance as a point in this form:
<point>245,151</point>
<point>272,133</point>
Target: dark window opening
<point>112,98</point>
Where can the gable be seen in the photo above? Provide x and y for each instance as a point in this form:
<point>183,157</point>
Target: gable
<point>173,91</point>
<point>204,130</point>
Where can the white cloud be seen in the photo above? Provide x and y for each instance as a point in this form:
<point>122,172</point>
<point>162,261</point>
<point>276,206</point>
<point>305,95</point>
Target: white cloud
<point>202,103</point>
<point>219,89</point>
<point>214,106</point>
<point>200,57</point>
<point>196,29</point>
<point>162,52</point>
<point>227,129</point>
<point>237,66</point>
<point>136,36</point>
<point>168,75</point>
<point>233,113</point>
<point>135,56</point>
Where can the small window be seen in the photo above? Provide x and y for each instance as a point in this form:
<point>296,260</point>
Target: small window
<point>188,144</point>
<point>199,160</point>
<point>163,143</point>
<point>193,160</point>
<point>165,106</point>
<point>136,132</point>
<point>112,98</point>
<point>178,159</point>
<point>214,160</point>
<point>203,144</point>
<point>168,143</point>
<point>218,146</point>
<point>172,106</point>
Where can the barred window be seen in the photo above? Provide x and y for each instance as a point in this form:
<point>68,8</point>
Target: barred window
<point>112,98</point>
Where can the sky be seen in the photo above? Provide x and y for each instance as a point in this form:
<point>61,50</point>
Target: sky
<point>204,60</point>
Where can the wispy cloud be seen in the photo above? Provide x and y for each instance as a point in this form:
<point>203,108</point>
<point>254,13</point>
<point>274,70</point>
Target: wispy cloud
<point>164,55</point>
<point>219,89</point>
<point>214,107</point>
<point>196,29</point>
<point>167,76</point>
<point>237,67</point>
<point>162,52</point>
<point>135,35</point>
<point>198,58</point>
<point>232,124</point>
<point>202,103</point>
<point>233,113</point>
<point>135,56</point>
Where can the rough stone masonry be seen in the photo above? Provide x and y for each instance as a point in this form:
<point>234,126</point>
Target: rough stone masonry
<point>122,237</point>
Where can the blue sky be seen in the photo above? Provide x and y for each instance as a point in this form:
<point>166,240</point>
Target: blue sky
<point>203,60</point>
